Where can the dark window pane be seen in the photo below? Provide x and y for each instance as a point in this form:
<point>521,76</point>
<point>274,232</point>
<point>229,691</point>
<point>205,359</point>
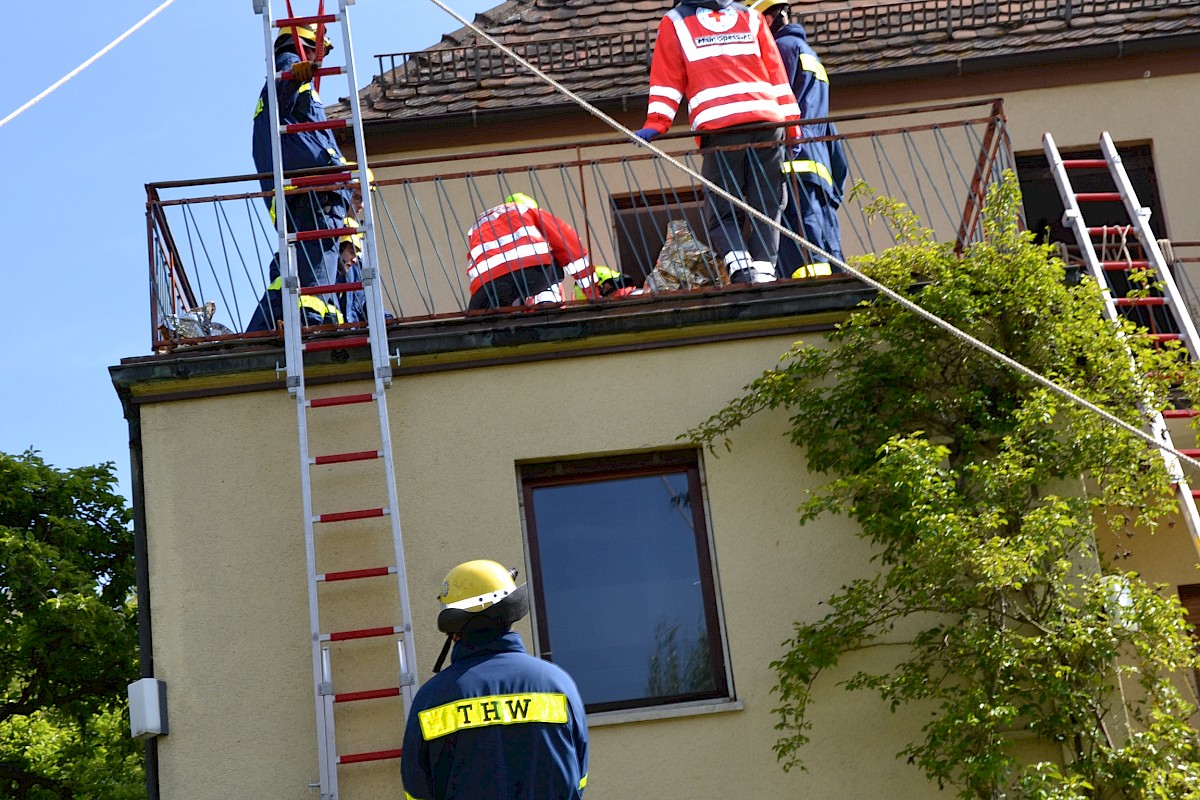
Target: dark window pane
<point>624,595</point>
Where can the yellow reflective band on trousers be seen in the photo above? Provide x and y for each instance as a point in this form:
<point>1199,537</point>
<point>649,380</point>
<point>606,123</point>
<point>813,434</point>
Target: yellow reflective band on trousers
<point>810,167</point>
<point>499,709</point>
<point>311,303</point>
<point>814,270</point>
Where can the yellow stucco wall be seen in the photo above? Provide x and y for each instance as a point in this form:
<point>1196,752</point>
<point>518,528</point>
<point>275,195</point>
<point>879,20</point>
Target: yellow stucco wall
<point>228,589</point>
<point>227,563</point>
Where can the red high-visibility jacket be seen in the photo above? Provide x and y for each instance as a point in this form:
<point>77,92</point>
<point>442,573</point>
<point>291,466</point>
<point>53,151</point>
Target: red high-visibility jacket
<point>515,236</point>
<point>725,62</point>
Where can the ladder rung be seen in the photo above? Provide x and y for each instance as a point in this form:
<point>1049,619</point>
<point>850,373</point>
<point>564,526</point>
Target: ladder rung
<point>320,233</point>
<point>1190,451</point>
<point>378,755</point>
<point>342,458</point>
<point>1085,163</point>
<point>369,694</point>
<point>318,72</point>
<point>1164,337</point>
<point>337,344</point>
<point>362,633</point>
<point>1102,230</point>
<point>340,400</point>
<point>355,574</point>
<point>320,180</point>
<point>333,288</point>
<point>1098,197</point>
<point>290,22</point>
<point>1109,266</point>
<point>326,125</point>
<point>1180,413</point>
<point>342,516</point>
<point>1141,301</point>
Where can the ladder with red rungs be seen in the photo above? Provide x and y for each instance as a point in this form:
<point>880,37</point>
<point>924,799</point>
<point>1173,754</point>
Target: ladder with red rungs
<point>1167,314</point>
<point>380,588</point>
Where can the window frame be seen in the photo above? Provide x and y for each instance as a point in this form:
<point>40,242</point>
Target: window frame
<point>575,471</point>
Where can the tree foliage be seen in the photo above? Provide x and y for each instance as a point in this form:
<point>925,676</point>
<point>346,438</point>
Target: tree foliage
<point>983,496</point>
<point>68,645</point>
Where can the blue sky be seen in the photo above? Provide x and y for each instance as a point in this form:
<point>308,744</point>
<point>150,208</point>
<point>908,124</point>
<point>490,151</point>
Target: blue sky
<point>173,101</point>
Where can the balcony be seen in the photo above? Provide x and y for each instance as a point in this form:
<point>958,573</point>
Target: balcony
<point>211,241</point>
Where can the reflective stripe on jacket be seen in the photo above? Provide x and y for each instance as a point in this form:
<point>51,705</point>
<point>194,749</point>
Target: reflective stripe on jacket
<point>497,724</point>
<point>724,61</point>
<point>515,236</point>
<point>312,303</point>
<point>820,162</point>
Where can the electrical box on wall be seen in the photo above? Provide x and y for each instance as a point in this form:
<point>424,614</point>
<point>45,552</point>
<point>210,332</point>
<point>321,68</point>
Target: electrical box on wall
<point>147,708</point>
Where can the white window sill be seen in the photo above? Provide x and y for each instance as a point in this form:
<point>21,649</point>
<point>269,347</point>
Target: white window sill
<point>663,712</point>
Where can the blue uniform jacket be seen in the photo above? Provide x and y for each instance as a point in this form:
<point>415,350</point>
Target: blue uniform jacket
<point>497,724</point>
<point>810,84</point>
<point>298,102</point>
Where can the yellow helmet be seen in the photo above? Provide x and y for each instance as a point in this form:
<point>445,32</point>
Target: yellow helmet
<point>477,595</point>
<point>761,6</point>
<point>603,274</point>
<point>355,239</point>
<point>521,199</point>
<point>306,32</point>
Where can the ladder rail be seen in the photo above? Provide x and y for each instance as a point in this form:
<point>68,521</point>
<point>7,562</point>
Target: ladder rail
<point>376,323</point>
<point>1140,219</point>
<point>1073,218</point>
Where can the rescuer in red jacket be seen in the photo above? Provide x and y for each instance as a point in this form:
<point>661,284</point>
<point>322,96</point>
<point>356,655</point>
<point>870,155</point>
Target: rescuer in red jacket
<point>721,57</point>
<point>519,255</point>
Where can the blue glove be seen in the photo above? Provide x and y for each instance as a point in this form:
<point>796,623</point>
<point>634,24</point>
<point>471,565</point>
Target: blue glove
<point>646,134</point>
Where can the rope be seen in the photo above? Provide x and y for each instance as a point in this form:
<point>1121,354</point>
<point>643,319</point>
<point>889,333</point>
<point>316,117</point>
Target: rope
<point>84,65</point>
<point>900,300</point>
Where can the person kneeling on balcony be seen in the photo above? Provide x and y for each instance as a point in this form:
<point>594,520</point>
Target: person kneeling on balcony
<point>520,255</point>
<point>722,58</point>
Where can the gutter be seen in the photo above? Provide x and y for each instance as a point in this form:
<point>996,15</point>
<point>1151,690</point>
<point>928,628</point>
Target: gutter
<point>492,339</point>
<point>133,416</point>
<point>1119,48</point>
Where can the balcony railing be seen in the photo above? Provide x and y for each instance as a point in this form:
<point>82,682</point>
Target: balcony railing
<point>212,241</point>
<point>827,30</point>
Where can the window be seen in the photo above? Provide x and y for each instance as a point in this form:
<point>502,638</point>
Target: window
<point>622,578</point>
<point>1043,207</point>
<point>640,225</point>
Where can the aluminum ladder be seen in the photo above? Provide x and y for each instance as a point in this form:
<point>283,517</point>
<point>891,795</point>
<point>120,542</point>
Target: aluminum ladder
<point>1168,300</point>
<point>376,587</point>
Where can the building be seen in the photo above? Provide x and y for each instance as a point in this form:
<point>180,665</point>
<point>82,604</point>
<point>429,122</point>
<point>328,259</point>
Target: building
<point>681,703</point>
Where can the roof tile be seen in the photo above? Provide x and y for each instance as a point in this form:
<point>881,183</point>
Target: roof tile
<point>602,49</point>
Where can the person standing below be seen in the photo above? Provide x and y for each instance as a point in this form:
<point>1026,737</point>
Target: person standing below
<point>720,56</point>
<point>519,255</point>
<point>317,259</point>
<point>497,724</point>
<point>817,168</point>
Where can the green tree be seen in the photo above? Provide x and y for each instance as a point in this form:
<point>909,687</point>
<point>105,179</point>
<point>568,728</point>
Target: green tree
<point>68,645</point>
<point>980,493</point>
